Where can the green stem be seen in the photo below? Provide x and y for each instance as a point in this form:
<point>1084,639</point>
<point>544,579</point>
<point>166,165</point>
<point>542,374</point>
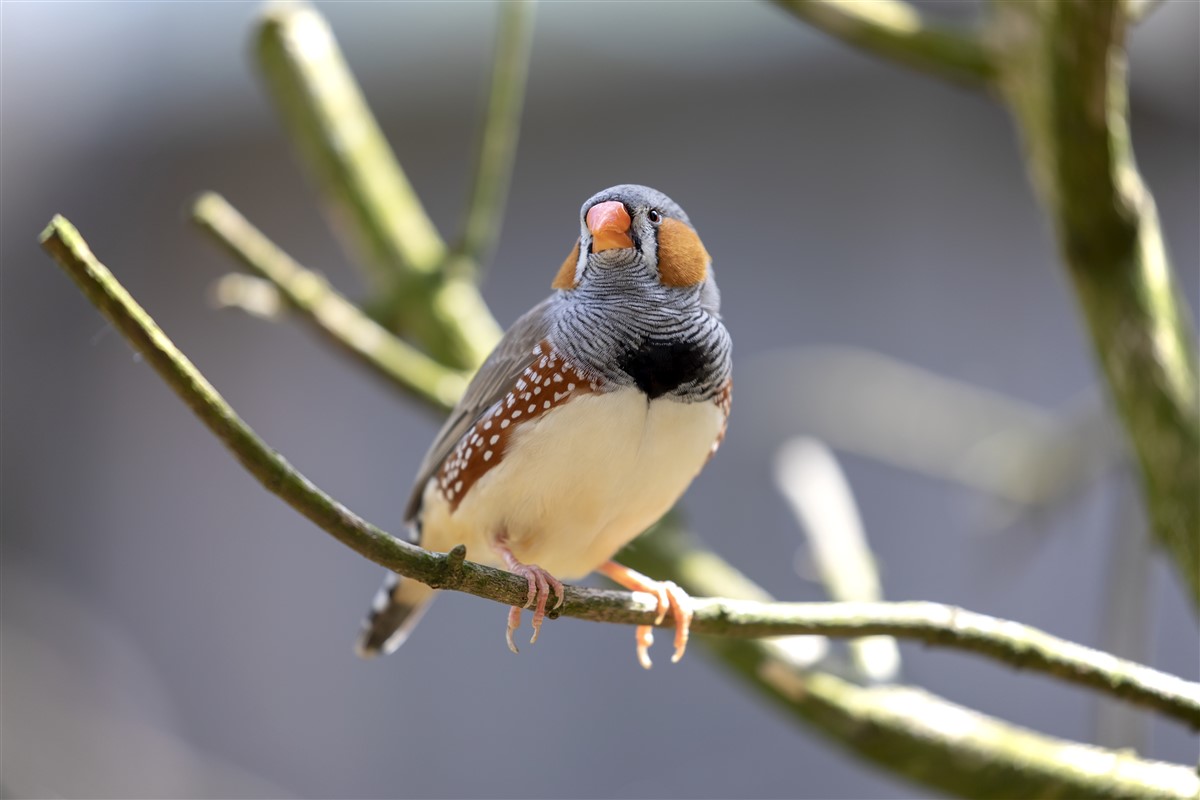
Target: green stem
<point>367,194</point>
<point>498,140</point>
<point>1006,641</point>
<point>331,314</point>
<point>1064,77</point>
<point>894,29</point>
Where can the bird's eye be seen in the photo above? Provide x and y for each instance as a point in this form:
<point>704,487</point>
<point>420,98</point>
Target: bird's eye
<point>654,217</point>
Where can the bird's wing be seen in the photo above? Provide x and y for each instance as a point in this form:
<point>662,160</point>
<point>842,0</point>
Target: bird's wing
<point>491,382</point>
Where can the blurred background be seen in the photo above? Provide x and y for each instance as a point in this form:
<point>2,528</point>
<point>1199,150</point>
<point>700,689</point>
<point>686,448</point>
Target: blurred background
<point>170,629</point>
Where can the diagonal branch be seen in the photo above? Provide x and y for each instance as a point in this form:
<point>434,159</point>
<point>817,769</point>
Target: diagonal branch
<point>342,143</point>
<point>894,29</point>
<point>498,140</point>
<point>1006,641</point>
<point>335,317</point>
<point>367,194</point>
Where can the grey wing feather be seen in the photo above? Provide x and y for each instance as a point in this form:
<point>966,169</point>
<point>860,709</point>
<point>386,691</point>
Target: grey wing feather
<point>498,373</point>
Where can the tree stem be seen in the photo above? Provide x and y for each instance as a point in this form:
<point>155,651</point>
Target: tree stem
<point>367,194</point>
<point>1064,76</point>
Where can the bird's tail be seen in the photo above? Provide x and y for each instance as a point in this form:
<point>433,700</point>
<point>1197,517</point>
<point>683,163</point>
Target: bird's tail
<point>397,609</point>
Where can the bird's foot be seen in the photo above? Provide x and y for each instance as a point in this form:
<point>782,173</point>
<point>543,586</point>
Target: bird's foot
<point>670,598</point>
<point>540,584</point>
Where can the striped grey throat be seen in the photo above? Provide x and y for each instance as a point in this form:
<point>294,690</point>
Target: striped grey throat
<point>586,423</point>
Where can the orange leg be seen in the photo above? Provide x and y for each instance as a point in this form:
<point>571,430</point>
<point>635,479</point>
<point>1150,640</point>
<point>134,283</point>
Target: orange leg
<point>540,584</point>
<point>670,597</point>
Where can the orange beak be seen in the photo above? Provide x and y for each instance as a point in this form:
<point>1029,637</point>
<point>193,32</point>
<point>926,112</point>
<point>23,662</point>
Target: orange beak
<point>609,223</point>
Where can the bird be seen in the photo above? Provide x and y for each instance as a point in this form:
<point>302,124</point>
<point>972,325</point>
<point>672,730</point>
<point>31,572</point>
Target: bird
<point>586,423</point>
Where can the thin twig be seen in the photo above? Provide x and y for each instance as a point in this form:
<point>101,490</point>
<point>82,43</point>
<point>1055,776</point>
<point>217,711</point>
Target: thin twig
<point>367,194</point>
<point>895,30</point>
<point>907,730</point>
<point>331,314</point>
<point>498,139</point>
<point>1007,641</point>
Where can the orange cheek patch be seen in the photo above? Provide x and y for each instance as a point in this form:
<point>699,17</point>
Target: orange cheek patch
<point>682,259</point>
<point>565,279</point>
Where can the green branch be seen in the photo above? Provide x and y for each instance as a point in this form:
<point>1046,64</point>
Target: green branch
<point>498,139</point>
<point>340,140</point>
<point>339,320</point>
<point>1006,641</point>
<point>894,29</point>
<point>1064,76</point>
<point>367,194</point>
<point>904,729</point>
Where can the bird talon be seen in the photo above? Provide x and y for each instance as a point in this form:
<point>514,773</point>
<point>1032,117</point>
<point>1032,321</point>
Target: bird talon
<point>540,582</point>
<point>670,598</point>
<point>514,622</point>
<point>645,638</point>
<point>664,602</point>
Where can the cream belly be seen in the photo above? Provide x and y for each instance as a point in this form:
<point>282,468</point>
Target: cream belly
<point>579,483</point>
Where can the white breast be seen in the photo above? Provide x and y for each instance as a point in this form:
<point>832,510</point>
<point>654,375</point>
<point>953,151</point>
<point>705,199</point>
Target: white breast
<point>581,482</point>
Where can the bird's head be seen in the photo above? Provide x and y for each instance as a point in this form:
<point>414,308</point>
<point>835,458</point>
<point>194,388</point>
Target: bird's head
<point>630,234</point>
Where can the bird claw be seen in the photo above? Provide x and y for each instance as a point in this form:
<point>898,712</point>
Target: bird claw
<point>541,583</point>
<point>669,597</point>
<point>514,622</point>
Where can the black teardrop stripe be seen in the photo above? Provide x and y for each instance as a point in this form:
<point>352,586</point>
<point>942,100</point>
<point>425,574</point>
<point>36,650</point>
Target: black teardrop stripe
<point>661,367</point>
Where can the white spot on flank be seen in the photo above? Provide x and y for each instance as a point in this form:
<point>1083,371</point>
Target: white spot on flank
<point>542,363</point>
<point>516,413</point>
<point>532,406</point>
<point>504,424</point>
<point>557,377</point>
<point>495,438</point>
<point>458,486</point>
<point>547,404</point>
<point>487,426</point>
<point>521,384</point>
<point>487,455</point>
<point>537,390</point>
<point>570,388</point>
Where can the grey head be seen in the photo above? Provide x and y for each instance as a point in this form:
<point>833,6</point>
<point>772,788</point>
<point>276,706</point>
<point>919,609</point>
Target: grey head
<point>637,303</point>
<point>635,240</point>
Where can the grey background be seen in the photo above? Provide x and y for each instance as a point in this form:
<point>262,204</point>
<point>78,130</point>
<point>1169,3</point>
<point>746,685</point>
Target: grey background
<point>170,629</point>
